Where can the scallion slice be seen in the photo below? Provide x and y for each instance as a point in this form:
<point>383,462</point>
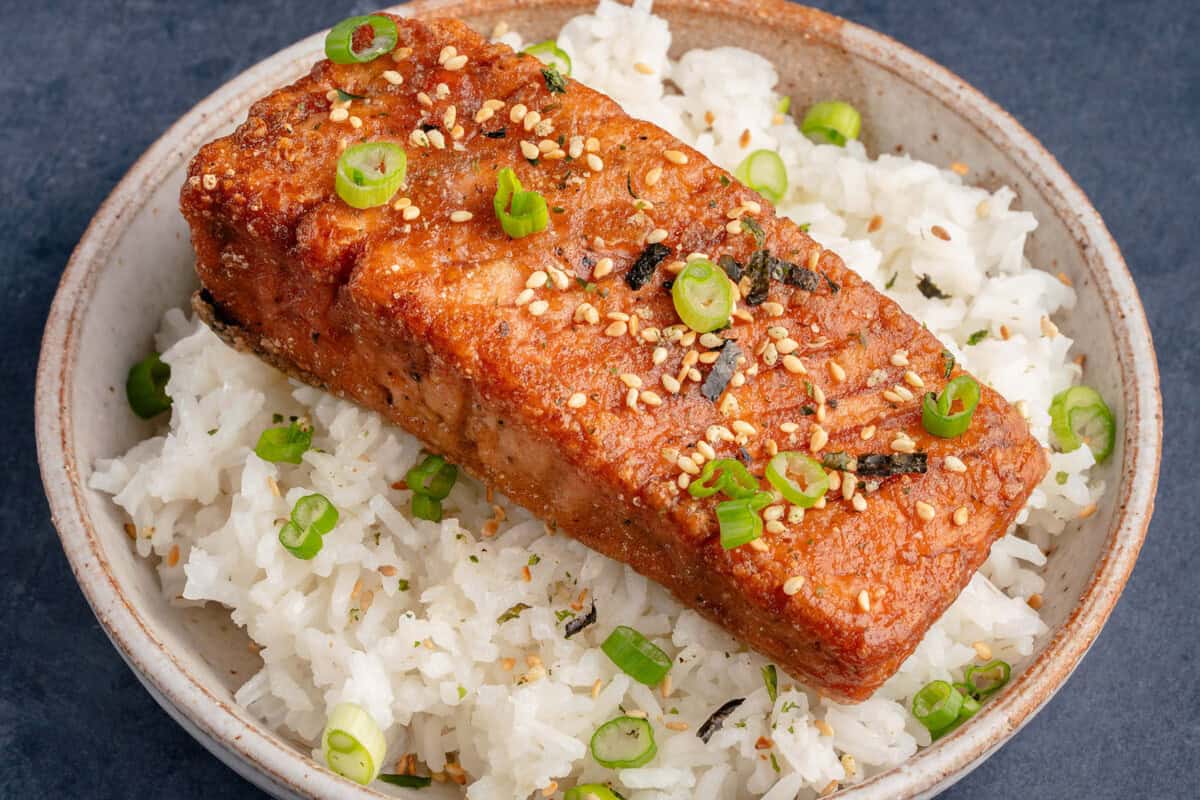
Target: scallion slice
<point>637,656</point>
<point>832,122</point>
<point>936,706</point>
<point>591,791</point>
<point>937,412</point>
<point>426,507</point>
<point>739,519</point>
<point>369,174</point>
<point>407,781</point>
<point>816,481</point>
<point>352,743</point>
<point>520,212</point>
<point>287,445</point>
<point>433,477</point>
<point>703,296</point>
<point>727,475</point>
<point>316,512</point>
<point>146,387</point>
<point>339,42</point>
<point>985,681</point>
<point>623,743</point>
<point>764,172</point>
<point>303,543</point>
<point>548,52</point>
<point>1078,416</point>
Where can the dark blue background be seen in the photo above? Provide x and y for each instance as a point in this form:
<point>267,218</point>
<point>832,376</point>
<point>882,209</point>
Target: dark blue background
<point>1110,88</point>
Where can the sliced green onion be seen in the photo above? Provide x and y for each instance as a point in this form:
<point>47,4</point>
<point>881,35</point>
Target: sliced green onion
<point>816,481</point>
<point>624,742</point>
<point>407,781</point>
<point>832,122</point>
<point>936,706</point>
<point>763,171</point>
<point>352,744</point>
<point>732,478</point>
<point>548,52</point>
<point>369,174</point>
<point>287,445</point>
<point>528,213</point>
<point>784,105</point>
<point>703,296</point>
<point>303,543</point>
<point>316,512</point>
<point>339,42</point>
<point>1078,416</point>
<point>146,387</point>
<point>771,681</point>
<point>994,676</point>
<point>591,791</point>
<point>937,412</point>
<point>433,477</point>
<point>739,519</point>
<point>636,656</point>
<point>426,507</point>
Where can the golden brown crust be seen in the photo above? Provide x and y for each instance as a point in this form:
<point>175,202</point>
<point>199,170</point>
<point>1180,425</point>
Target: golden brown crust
<point>419,318</point>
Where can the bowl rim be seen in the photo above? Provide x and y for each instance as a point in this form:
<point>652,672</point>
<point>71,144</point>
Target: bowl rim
<point>263,757</point>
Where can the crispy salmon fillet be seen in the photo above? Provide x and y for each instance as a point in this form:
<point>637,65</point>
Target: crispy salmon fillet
<point>537,365</point>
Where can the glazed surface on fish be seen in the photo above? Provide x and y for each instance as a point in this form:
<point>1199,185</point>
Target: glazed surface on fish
<point>536,365</point>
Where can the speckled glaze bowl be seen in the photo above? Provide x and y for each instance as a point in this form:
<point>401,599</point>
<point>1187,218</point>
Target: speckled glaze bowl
<point>134,262</point>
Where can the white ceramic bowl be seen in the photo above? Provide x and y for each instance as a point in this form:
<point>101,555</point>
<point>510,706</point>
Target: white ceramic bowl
<point>134,262</point>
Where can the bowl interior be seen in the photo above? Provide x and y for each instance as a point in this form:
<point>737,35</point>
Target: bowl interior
<point>133,267</point>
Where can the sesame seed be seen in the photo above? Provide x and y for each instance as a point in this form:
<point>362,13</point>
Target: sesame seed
<point>630,380</point>
<point>538,307</point>
<point>1087,511</point>
<point>789,427</point>
<point>449,117</point>
<point>822,413</point>
<point>706,449</point>
<point>436,139</point>
<point>867,433</point>
<point>660,355</point>
<point>859,503</point>
<point>1022,408</point>
<point>836,372</point>
<point>1049,329</point>
<point>940,232</point>
<point>655,236</point>
<point>393,77</point>
<point>744,139</point>
<point>210,182</point>
<point>670,383</point>
<point>461,216</point>
<point>711,340</point>
<point>617,315</point>
<point>532,118</point>
<point>954,464</point>
<point>900,358</point>
<point>959,168</point>
<point>925,511</point>
<point>651,335</point>
<point>643,68</point>
<point>524,297</point>
<point>734,227</point>
<point>339,115</point>
<point>793,585</point>
<point>824,728</point>
<point>759,545</point>
<point>775,526</point>
<point>687,465</point>
<point>794,365</point>
<point>741,426</point>
<point>617,328</point>
<point>864,600</point>
<point>773,309</point>
<point>875,224</point>
<point>424,100</point>
<point>675,157</point>
<point>547,145</point>
<point>903,444</point>
<point>849,486</point>
<point>456,63</point>
<point>410,213</point>
<point>529,150</point>
<point>544,128</point>
<point>419,138</point>
<point>961,515</point>
<point>983,651</point>
<point>650,398</point>
<point>835,481</point>
<point>914,380</point>
<point>594,162</point>
<point>575,147</point>
<point>484,114</point>
<point>818,439</point>
<point>592,145</point>
<point>818,395</point>
<point>537,280</point>
<point>691,357</point>
<point>577,400</point>
<point>892,397</point>
<point>631,399</point>
<point>848,764</point>
<point>653,175</point>
<point>448,52</point>
<point>903,393</point>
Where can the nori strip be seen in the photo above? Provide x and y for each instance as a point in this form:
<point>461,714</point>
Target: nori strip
<point>805,279</point>
<point>577,624</point>
<point>733,268</point>
<point>759,271</point>
<point>879,465</point>
<point>496,134</point>
<point>714,722</point>
<point>643,269</point>
<point>840,460</point>
<point>722,371</point>
<point>930,289</point>
<point>750,225</point>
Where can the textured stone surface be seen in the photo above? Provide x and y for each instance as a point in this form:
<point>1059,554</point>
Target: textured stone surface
<point>1112,89</point>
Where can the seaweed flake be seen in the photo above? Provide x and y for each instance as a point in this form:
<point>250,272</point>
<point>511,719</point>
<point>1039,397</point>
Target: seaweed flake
<point>759,272</point>
<point>714,722</point>
<point>833,287</point>
<point>732,267</point>
<point>555,82</point>
<point>750,225</point>
<point>803,278</point>
<point>722,371</point>
<point>879,465</point>
<point>579,623</point>
<point>499,133</point>
<point>642,270</point>
<point>840,460</point>
<point>930,289</point>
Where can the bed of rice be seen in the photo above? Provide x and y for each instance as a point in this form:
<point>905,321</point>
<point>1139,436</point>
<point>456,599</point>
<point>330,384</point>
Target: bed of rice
<point>400,616</point>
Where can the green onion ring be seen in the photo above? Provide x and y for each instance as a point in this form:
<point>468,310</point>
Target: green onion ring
<point>303,543</point>
<point>528,212</point>
<point>734,480</point>
<point>426,507</point>
<point>369,174</point>
<point>816,481</point>
<point>740,521</point>
<point>146,387</point>
<point>548,52</point>
<point>1078,416</point>
<point>832,122</point>
<point>996,674</point>
<point>764,172</point>
<point>284,445</point>
<point>636,656</point>
<point>339,42</point>
<point>433,478</point>
<point>623,742</point>
<point>703,296</point>
<point>316,512</point>
<point>936,706</point>
<point>587,791</point>
<point>352,744</point>
<point>937,415</point>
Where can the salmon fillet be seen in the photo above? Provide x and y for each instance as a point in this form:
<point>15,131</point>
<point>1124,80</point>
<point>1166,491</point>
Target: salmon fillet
<point>555,368</point>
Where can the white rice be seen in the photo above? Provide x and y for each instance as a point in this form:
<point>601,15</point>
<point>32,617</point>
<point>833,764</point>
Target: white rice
<point>428,662</point>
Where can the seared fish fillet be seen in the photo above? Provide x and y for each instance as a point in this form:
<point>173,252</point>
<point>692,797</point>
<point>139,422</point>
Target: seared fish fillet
<point>536,365</point>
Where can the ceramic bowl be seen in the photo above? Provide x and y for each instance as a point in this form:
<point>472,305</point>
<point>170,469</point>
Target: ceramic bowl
<point>135,261</point>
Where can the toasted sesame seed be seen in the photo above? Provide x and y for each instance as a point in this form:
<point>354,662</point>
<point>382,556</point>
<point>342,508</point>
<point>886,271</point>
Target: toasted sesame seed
<point>818,395</point>
<point>655,236</point>
<point>543,127</point>
<point>530,150</point>
<point>925,511</point>
<point>983,651</point>
<point>867,433</point>
<point>517,112</point>
<point>903,444</point>
<point>660,355</point>
<point>651,335</point>
<point>772,512</point>
<point>524,297</point>
<point>537,280</point>
<point>859,503</point>
<point>547,146</point>
<point>461,216</point>
<point>824,728</point>
<point>643,68</point>
<point>875,224</point>
<point>961,515</point>
<point>789,427</point>
<point>484,114</point>
<point>836,372</point>
<point>900,358</point>
<point>818,439</point>
<point>741,426</point>
<point>734,227</point>
<point>449,117</point>
<point>592,145</point>
<point>339,115</point>
<point>711,341</point>
<point>687,465</point>
<point>959,168</point>
<point>456,63</point>
<point>436,139</point>
<point>575,146</point>
<point>538,307</point>
<point>617,328</point>
<point>577,400</point>
<point>1049,329</point>
<point>775,526</point>
<point>954,464</point>
<point>706,450</point>
<point>691,356</point>
<point>631,399</point>
<point>630,380</point>
<point>532,118</point>
<point>650,398</point>
<point>793,585</point>
<point>892,397</point>
<point>393,77</point>
<point>902,392</point>
<point>849,486</point>
<point>1005,333</point>
<point>835,481</point>
<point>759,545</point>
<point>594,162</point>
<point>864,600</point>
<point>653,175</point>
<point>209,181</point>
<point>419,138</point>
<point>794,365</point>
<point>675,157</point>
<point>1087,511</point>
<point>848,764</point>
<point>410,213</point>
<point>940,232</point>
<point>448,52</point>
<point>617,315</point>
<point>424,100</point>
<point>773,309</point>
<point>913,380</point>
